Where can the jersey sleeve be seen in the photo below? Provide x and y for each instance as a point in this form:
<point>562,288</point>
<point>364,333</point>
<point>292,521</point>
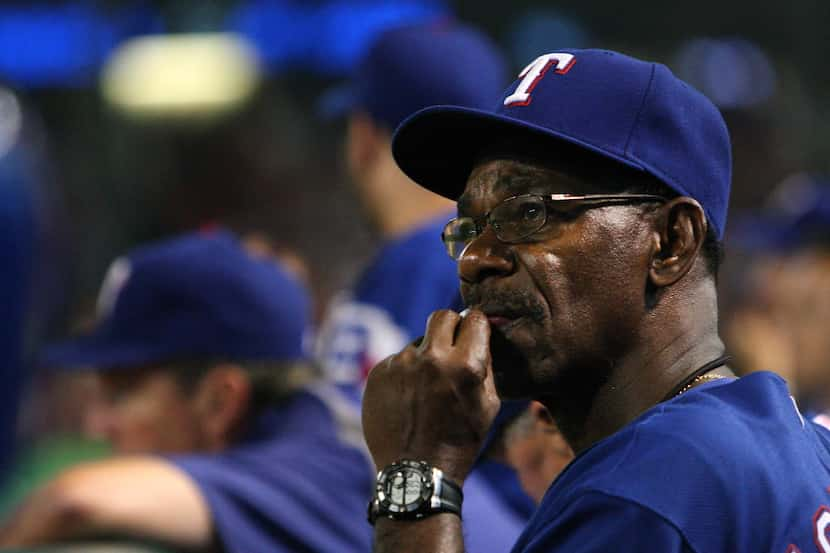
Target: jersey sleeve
<point>597,523</point>
<point>284,505</point>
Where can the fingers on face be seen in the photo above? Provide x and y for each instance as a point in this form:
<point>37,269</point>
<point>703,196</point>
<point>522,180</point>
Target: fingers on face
<point>455,342</point>
<point>440,331</point>
<point>473,342</point>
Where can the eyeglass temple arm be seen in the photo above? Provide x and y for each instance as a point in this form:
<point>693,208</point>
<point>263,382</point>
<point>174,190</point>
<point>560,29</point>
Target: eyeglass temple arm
<point>606,197</point>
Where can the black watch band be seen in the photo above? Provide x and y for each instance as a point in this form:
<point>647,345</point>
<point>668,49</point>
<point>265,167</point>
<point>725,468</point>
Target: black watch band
<point>412,490</point>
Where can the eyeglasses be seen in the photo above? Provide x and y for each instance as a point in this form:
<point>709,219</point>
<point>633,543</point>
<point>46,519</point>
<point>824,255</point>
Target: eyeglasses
<point>519,217</point>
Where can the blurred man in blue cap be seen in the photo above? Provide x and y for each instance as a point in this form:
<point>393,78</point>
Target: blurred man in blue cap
<point>781,321</point>
<point>225,440</point>
<point>405,70</point>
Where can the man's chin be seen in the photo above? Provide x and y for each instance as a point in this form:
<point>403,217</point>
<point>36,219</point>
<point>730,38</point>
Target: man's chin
<point>511,369</point>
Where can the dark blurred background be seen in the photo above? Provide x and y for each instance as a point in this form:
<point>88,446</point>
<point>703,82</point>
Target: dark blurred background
<point>267,161</point>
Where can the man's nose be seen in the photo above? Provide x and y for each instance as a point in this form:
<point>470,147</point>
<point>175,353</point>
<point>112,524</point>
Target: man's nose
<point>485,257</point>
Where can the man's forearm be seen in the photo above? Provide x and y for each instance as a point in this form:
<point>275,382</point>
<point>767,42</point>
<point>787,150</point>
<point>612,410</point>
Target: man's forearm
<point>437,534</point>
<point>141,497</point>
<point>48,516</point>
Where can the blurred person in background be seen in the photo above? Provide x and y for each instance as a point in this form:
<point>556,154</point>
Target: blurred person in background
<point>782,320</point>
<point>16,259</point>
<point>407,69</point>
<point>30,261</point>
<point>404,70</point>
<point>533,446</point>
<point>226,440</point>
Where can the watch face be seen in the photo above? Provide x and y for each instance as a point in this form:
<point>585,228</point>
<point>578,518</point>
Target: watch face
<point>405,487</point>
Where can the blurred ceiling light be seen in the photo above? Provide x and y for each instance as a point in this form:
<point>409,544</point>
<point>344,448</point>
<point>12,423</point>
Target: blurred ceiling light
<point>11,121</point>
<point>181,75</point>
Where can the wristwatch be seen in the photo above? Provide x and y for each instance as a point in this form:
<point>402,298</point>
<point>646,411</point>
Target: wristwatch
<point>411,490</point>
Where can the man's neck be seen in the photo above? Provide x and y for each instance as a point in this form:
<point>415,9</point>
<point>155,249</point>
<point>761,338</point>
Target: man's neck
<point>587,412</point>
<point>396,204</point>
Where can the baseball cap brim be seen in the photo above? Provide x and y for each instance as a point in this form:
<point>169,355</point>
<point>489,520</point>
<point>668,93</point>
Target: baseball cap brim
<point>97,352</point>
<point>438,146</point>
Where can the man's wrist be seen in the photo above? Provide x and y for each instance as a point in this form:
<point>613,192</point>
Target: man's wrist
<point>441,532</point>
<point>455,467</point>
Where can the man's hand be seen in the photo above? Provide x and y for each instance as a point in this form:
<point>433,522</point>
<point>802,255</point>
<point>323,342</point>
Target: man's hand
<point>435,400</point>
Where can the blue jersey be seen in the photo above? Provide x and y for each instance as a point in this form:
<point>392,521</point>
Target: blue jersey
<point>17,245</point>
<point>409,278</point>
<point>495,509</point>
<point>297,483</point>
<point>728,467</point>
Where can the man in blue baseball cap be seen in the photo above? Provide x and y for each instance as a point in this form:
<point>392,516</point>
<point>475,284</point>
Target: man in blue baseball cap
<point>225,439</point>
<point>407,69</point>
<point>592,199</point>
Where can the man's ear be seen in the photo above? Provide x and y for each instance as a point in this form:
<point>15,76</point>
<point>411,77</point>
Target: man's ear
<point>545,424</point>
<point>222,402</point>
<point>542,420</point>
<point>365,142</point>
<point>678,238</point>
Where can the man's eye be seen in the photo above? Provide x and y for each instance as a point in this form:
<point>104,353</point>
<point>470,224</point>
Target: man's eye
<point>531,212</point>
<point>466,230</point>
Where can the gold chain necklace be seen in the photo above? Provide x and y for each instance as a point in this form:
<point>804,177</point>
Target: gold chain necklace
<point>698,376</point>
<point>697,380</point>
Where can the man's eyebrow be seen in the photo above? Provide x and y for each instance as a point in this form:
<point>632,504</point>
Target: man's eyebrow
<point>521,174</point>
<point>518,181</point>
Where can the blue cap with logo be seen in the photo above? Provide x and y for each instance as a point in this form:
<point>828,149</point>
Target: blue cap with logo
<point>630,111</point>
<point>198,296</point>
<point>409,68</point>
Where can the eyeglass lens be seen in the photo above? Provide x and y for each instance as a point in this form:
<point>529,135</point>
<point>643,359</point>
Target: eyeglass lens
<point>511,220</point>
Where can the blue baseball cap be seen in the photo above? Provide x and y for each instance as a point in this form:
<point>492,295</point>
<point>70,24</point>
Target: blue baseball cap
<point>409,68</point>
<point>796,216</point>
<point>198,296</point>
<point>629,111</point>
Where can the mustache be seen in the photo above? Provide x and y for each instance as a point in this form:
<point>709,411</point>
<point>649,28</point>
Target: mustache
<point>513,303</point>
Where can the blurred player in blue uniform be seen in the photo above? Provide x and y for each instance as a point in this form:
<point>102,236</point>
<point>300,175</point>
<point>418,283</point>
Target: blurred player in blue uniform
<point>23,219</point>
<point>784,304</point>
<point>592,201</point>
<point>226,439</point>
<point>405,70</point>
<point>16,251</point>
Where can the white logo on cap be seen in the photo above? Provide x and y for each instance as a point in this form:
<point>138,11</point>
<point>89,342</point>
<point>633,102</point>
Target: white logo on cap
<point>533,73</point>
<point>117,276</point>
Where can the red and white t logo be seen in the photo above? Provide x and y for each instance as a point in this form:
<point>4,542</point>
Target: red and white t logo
<point>533,73</point>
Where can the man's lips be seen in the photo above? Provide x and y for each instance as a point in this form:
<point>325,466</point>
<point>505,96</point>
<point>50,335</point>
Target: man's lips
<point>500,321</point>
<point>501,318</point>
<point>504,316</point>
